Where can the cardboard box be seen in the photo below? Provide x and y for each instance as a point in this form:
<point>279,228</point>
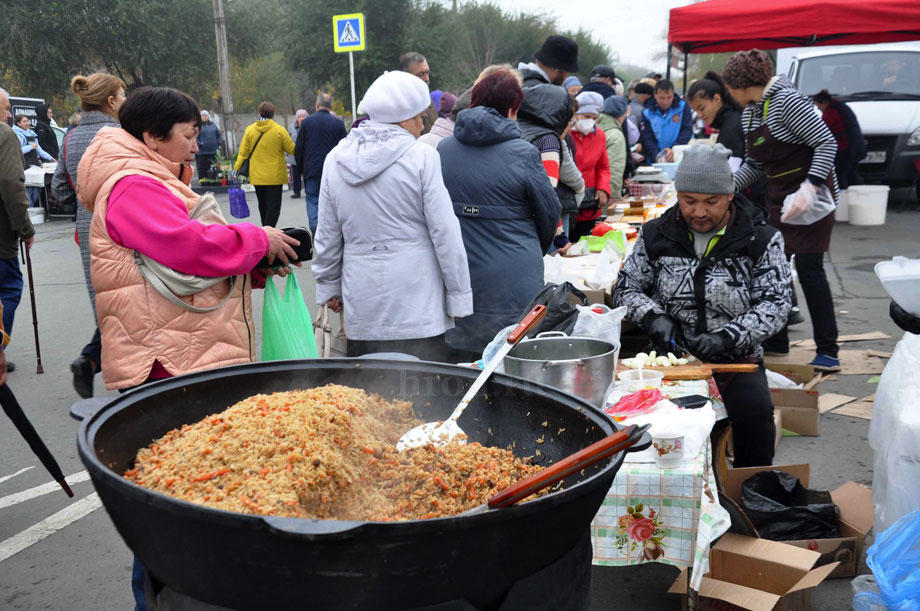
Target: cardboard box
<point>799,406</point>
<point>756,574</point>
<point>857,516</point>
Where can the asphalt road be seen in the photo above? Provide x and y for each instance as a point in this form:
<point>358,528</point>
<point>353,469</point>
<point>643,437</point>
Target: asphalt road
<point>60,554</point>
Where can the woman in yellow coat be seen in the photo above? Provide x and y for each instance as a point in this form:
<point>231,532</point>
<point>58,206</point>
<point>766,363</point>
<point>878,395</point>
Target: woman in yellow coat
<point>264,144</point>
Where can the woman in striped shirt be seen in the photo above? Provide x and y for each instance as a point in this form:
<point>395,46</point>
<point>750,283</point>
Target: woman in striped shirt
<point>787,142</point>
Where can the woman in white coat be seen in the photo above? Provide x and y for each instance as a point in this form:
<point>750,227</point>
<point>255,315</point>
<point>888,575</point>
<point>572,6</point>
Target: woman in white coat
<point>388,244</point>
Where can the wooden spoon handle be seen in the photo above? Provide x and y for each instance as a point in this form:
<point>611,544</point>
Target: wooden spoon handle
<point>595,452</point>
<point>527,324</point>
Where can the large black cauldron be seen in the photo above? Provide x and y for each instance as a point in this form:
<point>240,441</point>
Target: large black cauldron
<point>251,562</point>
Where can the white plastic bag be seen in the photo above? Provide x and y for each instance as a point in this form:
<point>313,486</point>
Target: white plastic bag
<point>694,424</point>
<point>778,380</point>
<point>806,206</point>
<point>606,269</point>
<point>894,435</point>
<point>600,322</point>
<point>552,269</point>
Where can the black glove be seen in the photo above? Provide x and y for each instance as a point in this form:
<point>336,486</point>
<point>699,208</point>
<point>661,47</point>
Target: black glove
<point>907,321</point>
<point>709,345</point>
<point>661,330</point>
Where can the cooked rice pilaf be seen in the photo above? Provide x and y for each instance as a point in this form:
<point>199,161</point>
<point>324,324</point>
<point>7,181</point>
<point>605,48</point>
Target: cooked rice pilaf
<point>326,453</point>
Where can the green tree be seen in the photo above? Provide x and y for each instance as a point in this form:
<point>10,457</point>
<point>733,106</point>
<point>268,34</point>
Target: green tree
<point>155,42</point>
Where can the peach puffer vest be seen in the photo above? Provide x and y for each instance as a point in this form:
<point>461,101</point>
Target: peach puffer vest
<point>138,325</point>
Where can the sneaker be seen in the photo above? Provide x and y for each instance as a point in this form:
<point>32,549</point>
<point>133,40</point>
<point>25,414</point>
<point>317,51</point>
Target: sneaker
<point>295,195</point>
<point>795,317</point>
<point>10,366</point>
<point>822,362</point>
<point>83,373</point>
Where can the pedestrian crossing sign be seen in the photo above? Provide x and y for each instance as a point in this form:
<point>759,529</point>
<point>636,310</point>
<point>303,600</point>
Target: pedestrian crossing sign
<point>349,32</point>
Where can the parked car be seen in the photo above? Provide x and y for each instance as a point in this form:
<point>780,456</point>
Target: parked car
<point>881,84</point>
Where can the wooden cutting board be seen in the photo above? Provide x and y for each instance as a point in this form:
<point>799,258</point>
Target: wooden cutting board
<point>698,371</point>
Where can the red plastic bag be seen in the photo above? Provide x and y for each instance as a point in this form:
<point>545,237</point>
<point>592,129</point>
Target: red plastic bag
<point>634,404</point>
<point>601,229</point>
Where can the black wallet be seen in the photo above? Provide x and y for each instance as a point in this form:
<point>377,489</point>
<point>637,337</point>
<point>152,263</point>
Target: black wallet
<point>304,251</point>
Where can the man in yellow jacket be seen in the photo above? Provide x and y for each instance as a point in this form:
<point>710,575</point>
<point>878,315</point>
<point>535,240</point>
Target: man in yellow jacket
<point>264,145</point>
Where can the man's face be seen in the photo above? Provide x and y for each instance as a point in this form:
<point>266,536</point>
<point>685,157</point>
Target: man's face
<point>664,98</point>
<point>49,113</point>
<point>4,108</point>
<point>421,70</point>
<point>556,77</point>
<point>205,118</point>
<point>704,212</point>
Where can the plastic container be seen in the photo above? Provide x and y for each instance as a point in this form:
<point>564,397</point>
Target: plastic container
<point>632,380</point>
<point>842,213</point>
<point>868,204</point>
<point>679,150</point>
<point>667,168</point>
<point>900,278</point>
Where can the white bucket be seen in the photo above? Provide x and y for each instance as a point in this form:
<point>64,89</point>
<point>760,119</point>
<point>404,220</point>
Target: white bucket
<point>37,216</point>
<point>867,204</point>
<point>842,213</point>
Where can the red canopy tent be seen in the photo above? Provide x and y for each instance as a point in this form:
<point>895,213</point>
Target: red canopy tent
<point>719,26</point>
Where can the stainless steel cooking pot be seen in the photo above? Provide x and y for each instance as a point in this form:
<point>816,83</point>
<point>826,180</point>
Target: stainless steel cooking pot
<point>580,366</point>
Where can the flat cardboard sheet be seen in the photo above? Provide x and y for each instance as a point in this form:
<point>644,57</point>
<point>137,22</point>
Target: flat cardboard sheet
<point>859,337</point>
<point>852,362</point>
<point>831,401</point>
<point>858,409</point>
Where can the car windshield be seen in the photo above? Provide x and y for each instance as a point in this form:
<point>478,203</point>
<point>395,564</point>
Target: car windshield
<point>882,74</point>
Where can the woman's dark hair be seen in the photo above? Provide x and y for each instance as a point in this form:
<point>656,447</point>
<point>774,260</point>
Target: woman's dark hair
<point>707,88</point>
<point>19,118</point>
<point>748,69</point>
<point>267,110</point>
<point>823,97</point>
<point>156,110</point>
<point>500,90</point>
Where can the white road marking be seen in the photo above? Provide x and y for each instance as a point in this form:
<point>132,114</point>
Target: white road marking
<point>49,526</point>
<point>31,493</point>
<point>21,471</point>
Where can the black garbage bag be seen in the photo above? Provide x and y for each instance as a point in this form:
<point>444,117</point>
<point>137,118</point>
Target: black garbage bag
<point>560,311</point>
<point>783,509</point>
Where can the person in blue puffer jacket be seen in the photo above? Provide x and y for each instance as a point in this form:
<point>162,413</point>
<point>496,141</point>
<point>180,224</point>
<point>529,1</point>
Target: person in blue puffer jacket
<point>507,208</point>
<point>33,154</point>
<point>666,121</point>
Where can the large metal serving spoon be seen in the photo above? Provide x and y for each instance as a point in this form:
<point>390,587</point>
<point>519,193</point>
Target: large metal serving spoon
<point>443,432</point>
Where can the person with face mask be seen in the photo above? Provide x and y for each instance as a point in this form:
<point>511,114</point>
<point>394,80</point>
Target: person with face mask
<point>710,276</point>
<point>591,159</point>
<point>389,251</point>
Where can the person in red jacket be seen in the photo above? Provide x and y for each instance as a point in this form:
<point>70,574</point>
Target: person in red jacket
<point>591,159</point>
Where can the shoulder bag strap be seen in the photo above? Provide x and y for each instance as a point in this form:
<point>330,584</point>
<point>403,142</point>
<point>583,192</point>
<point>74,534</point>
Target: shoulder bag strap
<point>167,294</point>
<point>255,145</point>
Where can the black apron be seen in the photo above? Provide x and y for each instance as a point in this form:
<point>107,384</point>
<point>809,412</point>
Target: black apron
<point>786,167</point>
<point>32,156</point>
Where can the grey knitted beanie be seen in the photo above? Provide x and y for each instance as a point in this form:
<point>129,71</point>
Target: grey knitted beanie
<point>705,169</point>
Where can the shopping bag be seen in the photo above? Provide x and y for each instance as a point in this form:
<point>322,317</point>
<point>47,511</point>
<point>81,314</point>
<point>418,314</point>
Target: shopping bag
<point>238,206</point>
<point>287,328</point>
<point>329,344</point>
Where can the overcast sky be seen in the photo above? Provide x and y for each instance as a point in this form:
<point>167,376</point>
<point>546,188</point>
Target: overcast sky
<point>635,30</point>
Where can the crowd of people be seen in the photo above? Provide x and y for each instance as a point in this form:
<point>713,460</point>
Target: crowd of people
<point>431,215</point>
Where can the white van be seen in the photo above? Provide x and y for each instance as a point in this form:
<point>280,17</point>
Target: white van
<point>881,84</point>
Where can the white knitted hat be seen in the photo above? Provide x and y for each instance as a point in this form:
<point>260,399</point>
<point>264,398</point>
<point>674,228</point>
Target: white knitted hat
<point>396,96</point>
<point>590,102</point>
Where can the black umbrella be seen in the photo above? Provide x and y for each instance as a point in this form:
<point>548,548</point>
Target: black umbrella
<point>14,411</point>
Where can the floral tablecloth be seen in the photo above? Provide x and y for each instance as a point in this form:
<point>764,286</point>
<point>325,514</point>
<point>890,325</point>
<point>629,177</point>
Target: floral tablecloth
<point>663,515</point>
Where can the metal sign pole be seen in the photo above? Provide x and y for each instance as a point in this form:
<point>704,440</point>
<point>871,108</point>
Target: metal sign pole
<point>351,69</point>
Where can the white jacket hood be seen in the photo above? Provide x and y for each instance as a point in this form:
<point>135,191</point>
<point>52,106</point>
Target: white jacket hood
<point>370,149</point>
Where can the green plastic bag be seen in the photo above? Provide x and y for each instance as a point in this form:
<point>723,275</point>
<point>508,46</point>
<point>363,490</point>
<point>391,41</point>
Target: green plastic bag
<point>287,328</point>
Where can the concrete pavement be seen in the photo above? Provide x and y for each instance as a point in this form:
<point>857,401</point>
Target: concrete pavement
<point>85,565</point>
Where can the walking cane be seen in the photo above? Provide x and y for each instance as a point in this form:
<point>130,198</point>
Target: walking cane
<point>38,348</point>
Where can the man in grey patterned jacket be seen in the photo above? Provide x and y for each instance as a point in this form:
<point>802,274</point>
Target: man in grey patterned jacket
<point>710,276</point>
